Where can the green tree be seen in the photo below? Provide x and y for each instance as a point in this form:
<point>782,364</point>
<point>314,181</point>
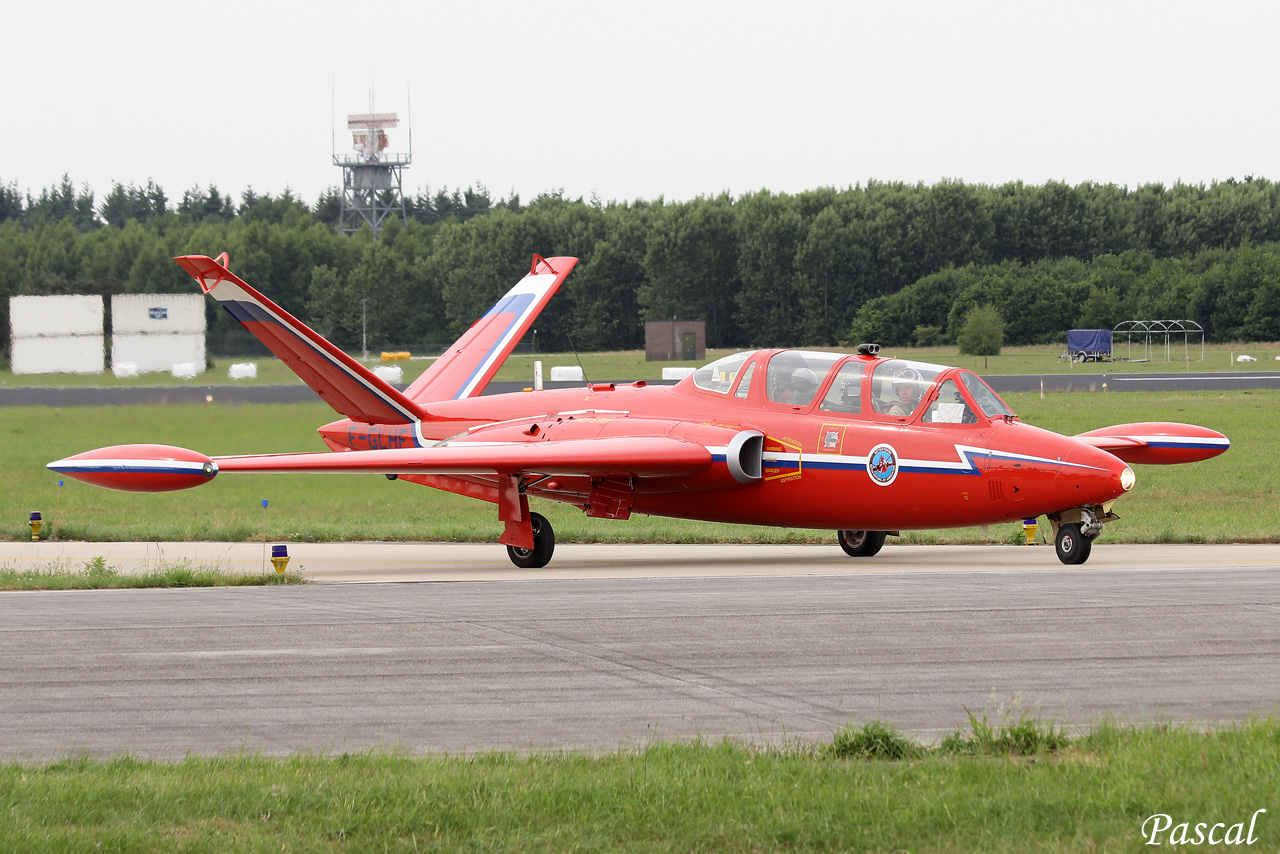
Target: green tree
<point>603,290</point>
<point>199,205</point>
<point>10,202</point>
<point>334,307</point>
<point>123,203</point>
<point>64,203</point>
<point>691,262</point>
<point>328,207</point>
<point>982,333</point>
<point>770,232</point>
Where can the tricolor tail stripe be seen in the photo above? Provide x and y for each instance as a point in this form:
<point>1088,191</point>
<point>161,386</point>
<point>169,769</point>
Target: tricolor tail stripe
<point>346,385</point>
<point>468,365</point>
<point>514,307</point>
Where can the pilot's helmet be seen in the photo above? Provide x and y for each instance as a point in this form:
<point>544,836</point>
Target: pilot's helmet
<point>803,379</point>
<point>908,377</point>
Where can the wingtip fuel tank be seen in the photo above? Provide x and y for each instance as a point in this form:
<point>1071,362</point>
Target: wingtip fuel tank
<point>139,468</point>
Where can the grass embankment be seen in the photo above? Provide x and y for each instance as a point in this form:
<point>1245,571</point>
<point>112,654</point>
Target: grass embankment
<point>98,575</point>
<point>1229,499</point>
<point>968,794</point>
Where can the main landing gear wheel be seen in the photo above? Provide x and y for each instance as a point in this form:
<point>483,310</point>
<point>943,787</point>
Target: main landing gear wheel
<point>1072,546</point>
<point>860,543</point>
<point>544,544</point>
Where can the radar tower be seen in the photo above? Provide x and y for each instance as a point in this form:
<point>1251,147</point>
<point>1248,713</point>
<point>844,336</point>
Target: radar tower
<point>372,178</point>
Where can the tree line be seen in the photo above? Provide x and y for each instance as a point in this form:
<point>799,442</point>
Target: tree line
<point>889,262</point>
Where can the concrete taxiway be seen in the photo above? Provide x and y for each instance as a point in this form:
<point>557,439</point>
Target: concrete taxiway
<point>617,645</point>
<point>335,562</point>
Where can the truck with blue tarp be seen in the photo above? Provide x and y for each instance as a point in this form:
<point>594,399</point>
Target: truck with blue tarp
<point>1088,345</point>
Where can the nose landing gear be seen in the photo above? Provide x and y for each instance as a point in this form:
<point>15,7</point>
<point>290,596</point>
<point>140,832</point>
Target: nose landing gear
<point>1071,545</point>
<point>1074,531</point>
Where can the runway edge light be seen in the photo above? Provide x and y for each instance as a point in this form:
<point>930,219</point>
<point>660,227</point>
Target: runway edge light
<point>35,522</point>
<point>280,558</point>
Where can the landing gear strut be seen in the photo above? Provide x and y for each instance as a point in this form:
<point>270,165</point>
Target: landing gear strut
<point>544,544</point>
<point>861,543</point>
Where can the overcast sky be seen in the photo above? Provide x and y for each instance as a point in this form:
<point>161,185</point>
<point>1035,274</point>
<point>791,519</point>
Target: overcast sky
<point>640,100</point>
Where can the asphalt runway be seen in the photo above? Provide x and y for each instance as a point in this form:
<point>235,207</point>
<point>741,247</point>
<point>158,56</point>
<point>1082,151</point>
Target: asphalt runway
<point>614,646</point>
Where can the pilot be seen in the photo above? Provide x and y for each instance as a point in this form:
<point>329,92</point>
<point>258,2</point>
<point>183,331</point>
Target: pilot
<point>906,385</point>
<point>802,387</point>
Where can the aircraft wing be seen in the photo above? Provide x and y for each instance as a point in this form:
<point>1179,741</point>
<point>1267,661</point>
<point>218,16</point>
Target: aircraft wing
<point>1158,442</point>
<point>342,382</point>
<point>163,468</point>
<point>641,457</point>
<point>468,365</point>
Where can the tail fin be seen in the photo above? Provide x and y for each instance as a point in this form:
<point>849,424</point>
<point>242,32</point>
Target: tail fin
<point>342,382</point>
<point>468,365</point>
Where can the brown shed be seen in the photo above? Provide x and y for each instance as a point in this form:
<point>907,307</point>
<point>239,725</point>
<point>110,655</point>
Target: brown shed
<point>675,340</point>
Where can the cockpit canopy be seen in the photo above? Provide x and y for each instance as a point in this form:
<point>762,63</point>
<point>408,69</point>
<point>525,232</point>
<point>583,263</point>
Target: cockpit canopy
<point>720,374</point>
<point>893,387</point>
<point>794,376</point>
<point>898,386</point>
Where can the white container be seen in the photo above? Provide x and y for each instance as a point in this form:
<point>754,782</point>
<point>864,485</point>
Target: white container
<point>78,354</point>
<point>566,373</point>
<point>677,373</point>
<point>124,370</point>
<point>243,371</point>
<point>184,371</point>
<point>158,352</point>
<point>57,316</point>
<point>157,314</point>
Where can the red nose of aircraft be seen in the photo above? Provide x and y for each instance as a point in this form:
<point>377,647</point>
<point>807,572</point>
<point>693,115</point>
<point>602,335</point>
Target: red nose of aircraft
<point>139,468</point>
<point>1097,475</point>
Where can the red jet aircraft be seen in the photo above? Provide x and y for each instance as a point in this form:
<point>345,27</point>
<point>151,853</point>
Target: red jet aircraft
<point>862,445</point>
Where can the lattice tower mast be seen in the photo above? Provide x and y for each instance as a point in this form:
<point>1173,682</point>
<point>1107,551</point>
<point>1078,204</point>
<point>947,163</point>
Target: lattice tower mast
<point>372,178</point>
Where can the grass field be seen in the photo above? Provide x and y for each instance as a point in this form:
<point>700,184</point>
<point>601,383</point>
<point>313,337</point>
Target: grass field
<point>1229,499</point>
<point>631,365</point>
<point>1014,792</point>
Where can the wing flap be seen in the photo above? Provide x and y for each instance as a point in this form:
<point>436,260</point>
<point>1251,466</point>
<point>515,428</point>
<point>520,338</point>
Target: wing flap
<point>1158,442</point>
<point>342,382</point>
<point>638,457</point>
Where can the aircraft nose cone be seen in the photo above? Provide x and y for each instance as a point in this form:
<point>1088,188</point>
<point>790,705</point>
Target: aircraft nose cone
<point>1098,474</point>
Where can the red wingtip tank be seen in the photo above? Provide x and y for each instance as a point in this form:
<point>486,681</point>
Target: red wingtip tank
<point>139,468</point>
<point>1158,442</point>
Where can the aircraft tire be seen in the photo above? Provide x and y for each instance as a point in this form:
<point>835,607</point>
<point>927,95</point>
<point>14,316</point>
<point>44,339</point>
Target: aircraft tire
<point>1072,546</point>
<point>861,543</point>
<point>544,545</point>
